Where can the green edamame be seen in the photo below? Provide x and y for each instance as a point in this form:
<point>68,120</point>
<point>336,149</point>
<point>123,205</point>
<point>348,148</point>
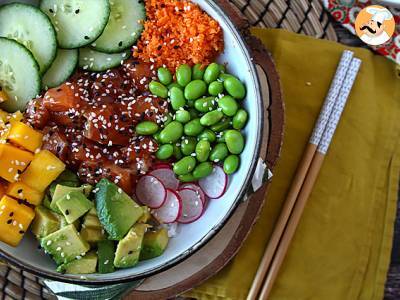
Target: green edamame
<point>235,87</point>
<point>185,165</point>
<point>195,89</point>
<point>158,89</point>
<point>165,152</point>
<point>219,152</point>
<point>215,88</point>
<point>205,104</point>
<point>188,145</point>
<point>202,170</point>
<point>203,149</point>
<point>193,113</point>
<point>231,164</point>
<point>234,141</point>
<point>193,128</point>
<point>224,76</point>
<point>229,105</point>
<point>208,135</point>
<point>212,72</point>
<point>183,75</point>
<point>177,152</point>
<point>182,116</point>
<point>146,128</point>
<point>224,124</point>
<point>164,75</point>
<point>177,98</point>
<point>240,119</point>
<point>171,133</point>
<point>211,118</point>
<point>174,84</point>
<point>186,178</point>
<point>198,71</point>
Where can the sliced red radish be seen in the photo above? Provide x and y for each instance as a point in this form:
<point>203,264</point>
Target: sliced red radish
<point>171,210</point>
<point>151,192</point>
<point>167,177</point>
<point>196,188</point>
<point>192,206</point>
<point>214,185</point>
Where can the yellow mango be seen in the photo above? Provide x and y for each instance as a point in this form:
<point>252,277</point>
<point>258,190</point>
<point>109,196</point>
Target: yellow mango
<point>43,170</point>
<point>3,96</point>
<point>25,136</point>
<point>2,189</point>
<point>13,161</point>
<point>21,191</point>
<point>7,122</point>
<point>15,219</point>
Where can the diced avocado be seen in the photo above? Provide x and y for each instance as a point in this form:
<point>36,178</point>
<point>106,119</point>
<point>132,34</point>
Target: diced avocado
<point>117,211</point>
<point>85,265</point>
<point>91,219</point>
<point>146,215</point>
<point>45,222</point>
<point>92,235</point>
<point>154,243</point>
<point>59,192</point>
<point>46,201</point>
<point>65,244</point>
<point>73,206</point>
<point>106,253</point>
<point>63,222</point>
<point>128,249</point>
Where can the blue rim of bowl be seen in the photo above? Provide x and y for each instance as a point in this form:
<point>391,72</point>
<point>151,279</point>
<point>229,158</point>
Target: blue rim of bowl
<point>130,278</point>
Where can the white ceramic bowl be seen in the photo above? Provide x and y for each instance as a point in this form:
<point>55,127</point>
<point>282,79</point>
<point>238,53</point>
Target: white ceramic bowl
<point>191,236</point>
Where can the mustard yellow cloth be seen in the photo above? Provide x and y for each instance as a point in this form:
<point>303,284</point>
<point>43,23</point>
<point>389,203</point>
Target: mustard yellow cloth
<point>342,247</point>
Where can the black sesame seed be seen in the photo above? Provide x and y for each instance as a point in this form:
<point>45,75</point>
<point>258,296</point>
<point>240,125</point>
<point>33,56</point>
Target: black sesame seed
<point>21,232</point>
<point>130,252</point>
<point>59,90</point>
<point>9,221</point>
<point>120,44</point>
<point>19,191</point>
<point>11,214</point>
<point>67,212</point>
<point>50,10</point>
<point>86,37</point>
<point>77,11</point>
<point>19,172</point>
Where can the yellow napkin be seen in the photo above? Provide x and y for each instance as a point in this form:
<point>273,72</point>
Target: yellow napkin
<point>342,247</point>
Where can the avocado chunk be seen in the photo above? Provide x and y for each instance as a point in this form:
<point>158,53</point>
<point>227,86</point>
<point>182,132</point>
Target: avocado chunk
<point>154,243</point>
<point>106,253</point>
<point>61,190</point>
<point>45,222</point>
<point>145,218</point>
<point>64,223</point>
<point>73,206</point>
<point>46,201</point>
<point>92,231</point>
<point>117,211</point>
<point>85,265</point>
<point>91,219</point>
<point>128,249</point>
<point>65,244</point>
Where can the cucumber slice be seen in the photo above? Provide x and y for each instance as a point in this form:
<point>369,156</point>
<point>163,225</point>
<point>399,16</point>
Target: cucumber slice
<point>96,61</point>
<point>61,69</point>
<point>32,28</point>
<point>124,26</point>
<point>19,75</point>
<point>77,22</point>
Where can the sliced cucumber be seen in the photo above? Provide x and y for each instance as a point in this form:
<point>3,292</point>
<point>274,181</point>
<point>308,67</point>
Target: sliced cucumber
<point>19,75</point>
<point>32,28</point>
<point>96,61</point>
<point>124,26</point>
<point>77,22</point>
<point>61,69</point>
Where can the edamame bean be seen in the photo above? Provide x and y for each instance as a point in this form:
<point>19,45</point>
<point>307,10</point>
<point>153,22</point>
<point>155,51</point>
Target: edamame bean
<point>184,166</point>
<point>235,87</point>
<point>171,133</point>
<point>229,105</point>
<point>174,84</point>
<point>224,76</point>
<point>146,128</point>
<point>202,170</point>
<point>186,178</point>
<point>165,152</point>
<point>205,104</point>
<point>182,116</point>
<point>195,89</point>
<point>164,75</point>
<point>231,164</point>
<point>208,135</point>
<point>177,98</point>
<point>198,71</point>
<point>193,128</point>
<point>219,152</point>
<point>203,149</point>
<point>188,145</point>
<point>212,72</point>
<point>222,68</point>
<point>224,124</point>
<point>211,118</point>
<point>158,89</point>
<point>215,88</point>
<point>183,75</point>
<point>177,152</point>
<point>235,141</point>
<point>240,119</point>
<point>193,113</point>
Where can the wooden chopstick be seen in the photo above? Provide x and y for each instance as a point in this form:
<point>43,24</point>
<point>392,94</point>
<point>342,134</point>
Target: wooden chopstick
<point>301,172</point>
<point>310,179</point>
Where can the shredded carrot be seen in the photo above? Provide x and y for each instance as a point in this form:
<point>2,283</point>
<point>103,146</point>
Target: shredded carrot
<point>178,32</point>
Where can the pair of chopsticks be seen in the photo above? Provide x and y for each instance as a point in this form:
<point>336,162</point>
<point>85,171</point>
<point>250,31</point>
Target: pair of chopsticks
<point>305,176</point>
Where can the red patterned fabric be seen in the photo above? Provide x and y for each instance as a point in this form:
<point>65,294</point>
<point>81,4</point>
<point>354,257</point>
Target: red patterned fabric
<point>346,11</point>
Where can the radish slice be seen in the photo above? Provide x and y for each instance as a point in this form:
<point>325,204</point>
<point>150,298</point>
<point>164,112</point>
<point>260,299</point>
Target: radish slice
<point>214,185</point>
<point>150,191</point>
<point>196,188</point>
<point>167,177</point>
<point>171,210</point>
<point>192,206</point>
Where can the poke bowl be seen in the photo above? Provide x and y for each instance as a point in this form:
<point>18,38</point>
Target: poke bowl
<point>164,187</point>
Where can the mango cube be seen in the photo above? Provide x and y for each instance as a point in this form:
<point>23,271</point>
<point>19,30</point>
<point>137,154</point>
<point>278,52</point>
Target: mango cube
<point>7,120</point>
<point>43,170</point>
<point>15,219</point>
<point>3,96</point>
<point>13,162</point>
<point>2,189</point>
<point>25,136</point>
<point>21,191</point>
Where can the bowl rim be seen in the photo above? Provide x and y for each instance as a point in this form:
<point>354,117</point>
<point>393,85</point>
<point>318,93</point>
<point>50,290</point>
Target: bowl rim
<point>83,280</point>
